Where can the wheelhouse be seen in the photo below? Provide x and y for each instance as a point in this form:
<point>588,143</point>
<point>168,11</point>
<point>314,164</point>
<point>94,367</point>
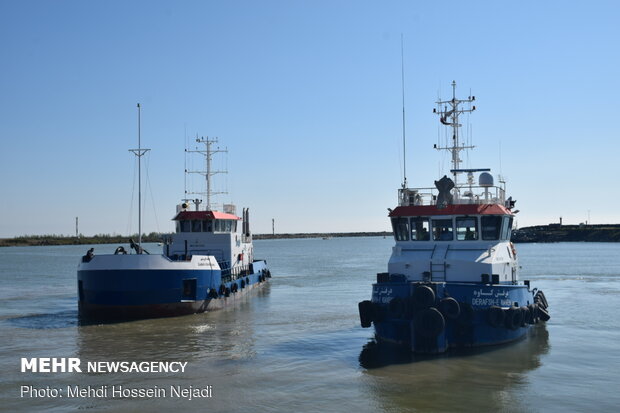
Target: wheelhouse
<point>460,223</point>
<point>206,221</point>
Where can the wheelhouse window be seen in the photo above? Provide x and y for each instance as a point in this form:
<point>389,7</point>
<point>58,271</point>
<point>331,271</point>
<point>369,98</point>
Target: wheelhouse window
<point>507,228</point>
<point>442,230</point>
<point>466,228</point>
<point>208,226</point>
<point>185,226</point>
<point>420,229</point>
<point>491,226</point>
<point>196,226</point>
<point>401,228</point>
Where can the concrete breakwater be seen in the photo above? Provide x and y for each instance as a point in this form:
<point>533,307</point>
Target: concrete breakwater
<point>568,233</point>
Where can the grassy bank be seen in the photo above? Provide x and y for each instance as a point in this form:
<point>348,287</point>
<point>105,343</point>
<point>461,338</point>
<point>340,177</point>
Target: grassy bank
<point>33,240</point>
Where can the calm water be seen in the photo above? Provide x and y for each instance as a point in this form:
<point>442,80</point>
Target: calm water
<point>296,345</point>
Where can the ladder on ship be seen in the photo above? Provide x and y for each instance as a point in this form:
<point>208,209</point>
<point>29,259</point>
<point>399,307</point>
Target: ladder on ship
<point>438,265</point>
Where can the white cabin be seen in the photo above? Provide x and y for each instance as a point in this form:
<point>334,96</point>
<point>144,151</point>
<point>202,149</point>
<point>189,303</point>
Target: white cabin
<point>466,242</point>
<point>220,234</point>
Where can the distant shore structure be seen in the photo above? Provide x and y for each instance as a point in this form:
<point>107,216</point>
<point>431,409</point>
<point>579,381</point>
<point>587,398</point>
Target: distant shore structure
<point>538,233</point>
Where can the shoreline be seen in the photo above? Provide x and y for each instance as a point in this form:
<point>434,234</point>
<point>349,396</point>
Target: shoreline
<point>42,240</point>
<point>539,233</point>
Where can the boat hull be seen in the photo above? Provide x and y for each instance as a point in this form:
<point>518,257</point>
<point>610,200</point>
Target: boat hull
<point>134,287</point>
<point>431,317</point>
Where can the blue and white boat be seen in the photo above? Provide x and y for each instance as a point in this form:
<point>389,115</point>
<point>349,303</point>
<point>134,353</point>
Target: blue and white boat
<point>452,278</point>
<point>207,264</point>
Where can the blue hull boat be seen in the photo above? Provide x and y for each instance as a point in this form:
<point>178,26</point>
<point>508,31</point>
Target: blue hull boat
<point>452,279</point>
<point>207,264</point>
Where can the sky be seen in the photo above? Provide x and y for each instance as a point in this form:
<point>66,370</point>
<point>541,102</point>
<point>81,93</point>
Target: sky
<point>307,98</point>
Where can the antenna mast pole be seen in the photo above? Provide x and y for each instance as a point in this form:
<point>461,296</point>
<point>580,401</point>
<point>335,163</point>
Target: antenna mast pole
<point>208,154</point>
<point>139,153</point>
<point>402,72</point>
<point>449,112</point>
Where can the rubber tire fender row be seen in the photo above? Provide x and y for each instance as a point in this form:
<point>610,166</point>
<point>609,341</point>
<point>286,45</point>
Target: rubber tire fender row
<point>495,316</point>
<point>423,296</point>
<point>429,323</point>
<point>513,318</point>
<point>366,310</point>
<point>541,300</point>
<point>398,307</point>
<point>532,314</point>
<point>466,317</point>
<point>525,311</point>
<point>543,314</point>
<point>450,308</point>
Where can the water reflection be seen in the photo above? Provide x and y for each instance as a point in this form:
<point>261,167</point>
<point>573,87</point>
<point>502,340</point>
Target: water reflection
<point>61,319</point>
<point>222,334</point>
<point>486,379</point>
<point>376,354</point>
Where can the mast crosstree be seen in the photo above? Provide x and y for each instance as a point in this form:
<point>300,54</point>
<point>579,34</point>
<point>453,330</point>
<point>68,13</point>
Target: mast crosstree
<point>449,112</point>
<point>208,153</point>
<point>139,152</point>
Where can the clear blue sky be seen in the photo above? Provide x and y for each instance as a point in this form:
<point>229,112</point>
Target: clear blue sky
<point>306,95</point>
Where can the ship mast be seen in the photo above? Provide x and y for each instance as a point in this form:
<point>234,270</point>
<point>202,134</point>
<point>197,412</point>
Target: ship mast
<point>449,111</point>
<point>140,152</point>
<point>208,153</point>
<point>402,76</point>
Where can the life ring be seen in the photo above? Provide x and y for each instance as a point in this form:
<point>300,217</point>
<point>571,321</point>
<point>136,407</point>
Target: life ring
<point>450,308</point>
<point>423,296</point>
<point>429,323</point>
<point>513,318</point>
<point>495,316</point>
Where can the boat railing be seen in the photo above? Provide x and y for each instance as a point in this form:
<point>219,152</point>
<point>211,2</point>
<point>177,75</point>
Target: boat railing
<point>234,273</point>
<point>462,194</point>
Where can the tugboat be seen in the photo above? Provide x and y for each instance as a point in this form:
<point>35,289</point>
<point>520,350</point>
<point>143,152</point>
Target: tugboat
<point>206,265</point>
<point>452,278</point>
